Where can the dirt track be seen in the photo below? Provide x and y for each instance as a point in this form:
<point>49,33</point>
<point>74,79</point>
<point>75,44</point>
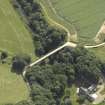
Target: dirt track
<point>68,43</point>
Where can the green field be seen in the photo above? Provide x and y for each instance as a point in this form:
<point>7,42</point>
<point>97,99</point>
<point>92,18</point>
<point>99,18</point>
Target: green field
<point>12,86</point>
<point>86,15</point>
<point>63,6</point>
<point>14,37</point>
<point>99,52</point>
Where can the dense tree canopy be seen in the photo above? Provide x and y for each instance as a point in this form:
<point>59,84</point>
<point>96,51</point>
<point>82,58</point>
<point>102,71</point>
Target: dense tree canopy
<point>67,67</point>
<point>4,55</point>
<point>45,36</point>
<point>19,62</point>
<point>48,80</point>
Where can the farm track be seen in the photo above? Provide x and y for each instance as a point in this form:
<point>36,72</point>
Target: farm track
<point>71,35</point>
<point>68,43</point>
<point>57,24</point>
<point>85,46</point>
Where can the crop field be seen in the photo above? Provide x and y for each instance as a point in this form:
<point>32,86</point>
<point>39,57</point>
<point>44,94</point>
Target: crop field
<point>14,37</point>
<point>87,16</point>
<point>12,86</point>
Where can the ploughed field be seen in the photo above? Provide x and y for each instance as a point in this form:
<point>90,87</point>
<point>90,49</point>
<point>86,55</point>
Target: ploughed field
<point>86,15</point>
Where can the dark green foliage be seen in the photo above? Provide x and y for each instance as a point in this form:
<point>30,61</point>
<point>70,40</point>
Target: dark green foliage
<point>4,55</point>
<point>87,67</point>
<point>41,96</point>
<point>69,66</point>
<point>63,69</point>
<point>45,37</point>
<point>19,62</point>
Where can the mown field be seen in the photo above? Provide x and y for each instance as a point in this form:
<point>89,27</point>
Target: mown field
<point>12,86</point>
<point>62,9</point>
<point>86,15</point>
<point>14,37</point>
<point>56,18</point>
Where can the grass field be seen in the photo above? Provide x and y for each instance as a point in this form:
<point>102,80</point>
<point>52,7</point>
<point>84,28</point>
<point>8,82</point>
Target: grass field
<point>99,52</point>
<point>63,6</point>
<point>57,19</point>
<point>14,37</point>
<point>86,15</point>
<point>12,86</point>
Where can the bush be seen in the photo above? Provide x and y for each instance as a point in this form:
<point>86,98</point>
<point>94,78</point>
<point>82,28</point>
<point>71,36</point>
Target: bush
<point>19,62</point>
<point>4,55</point>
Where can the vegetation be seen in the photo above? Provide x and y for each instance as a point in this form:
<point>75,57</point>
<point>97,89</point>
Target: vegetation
<point>4,55</point>
<point>43,34</point>
<point>45,37</point>
<point>49,79</point>
<point>87,16</point>
<point>14,37</point>
<point>99,52</point>
<point>66,21</point>
<point>101,37</point>
<point>53,81</point>
<point>19,62</point>
<point>74,96</point>
<point>12,87</point>
<point>54,16</point>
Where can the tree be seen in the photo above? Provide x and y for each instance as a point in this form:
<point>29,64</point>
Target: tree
<point>41,96</point>
<point>48,36</point>
<point>4,55</point>
<point>87,68</point>
<point>19,62</point>
<point>48,80</point>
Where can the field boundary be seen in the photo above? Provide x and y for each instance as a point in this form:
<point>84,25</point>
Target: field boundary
<point>54,22</point>
<point>62,22</point>
<point>85,46</point>
<point>75,35</point>
<point>55,12</point>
